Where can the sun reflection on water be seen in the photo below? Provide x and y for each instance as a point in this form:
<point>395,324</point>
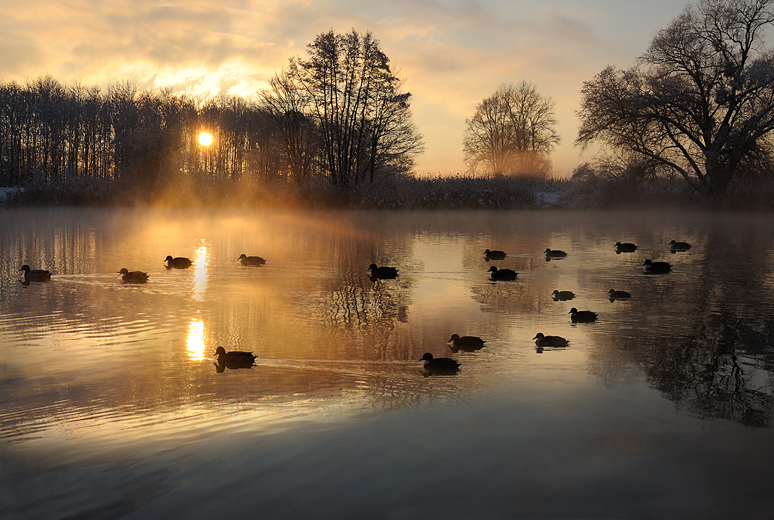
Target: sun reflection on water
<point>201,263</point>
<point>195,340</point>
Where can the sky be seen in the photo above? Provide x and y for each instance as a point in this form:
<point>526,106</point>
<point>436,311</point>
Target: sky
<point>451,54</point>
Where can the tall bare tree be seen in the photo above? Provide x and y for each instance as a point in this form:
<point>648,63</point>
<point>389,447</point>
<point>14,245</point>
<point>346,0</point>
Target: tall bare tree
<point>512,132</point>
<point>363,118</point>
<point>700,101</point>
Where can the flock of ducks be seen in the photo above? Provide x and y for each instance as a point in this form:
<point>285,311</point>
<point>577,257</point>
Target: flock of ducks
<point>435,366</point>
<point>432,365</point>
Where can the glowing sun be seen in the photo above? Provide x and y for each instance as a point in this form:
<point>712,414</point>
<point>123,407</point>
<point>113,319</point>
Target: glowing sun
<point>205,139</point>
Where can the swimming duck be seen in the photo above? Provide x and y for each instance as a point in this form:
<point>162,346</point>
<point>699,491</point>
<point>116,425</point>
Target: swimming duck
<point>234,359</point>
<point>679,246</point>
<point>617,295</point>
<point>494,255</point>
<point>657,267</point>
<point>626,247</point>
<point>251,260</point>
<point>555,253</point>
<point>466,343</point>
<point>435,366</point>
<point>128,276</point>
<point>35,275</point>
<point>178,262</point>
<point>382,272</point>
<point>561,296</point>
<point>549,341</point>
<point>502,274</point>
<point>582,316</point>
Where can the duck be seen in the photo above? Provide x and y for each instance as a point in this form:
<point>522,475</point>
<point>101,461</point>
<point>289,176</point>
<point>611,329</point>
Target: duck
<point>234,358</point>
<point>561,296</point>
<point>466,343</point>
<point>626,247</point>
<point>382,272</point>
<point>35,275</point>
<point>178,262</point>
<point>494,255</point>
<point>436,366</point>
<point>679,246</point>
<point>502,274</point>
<point>556,253</point>
<point>550,341</point>
<point>251,260</point>
<point>128,276</point>
<point>582,316</point>
<point>657,267</point>
<point>617,295</point>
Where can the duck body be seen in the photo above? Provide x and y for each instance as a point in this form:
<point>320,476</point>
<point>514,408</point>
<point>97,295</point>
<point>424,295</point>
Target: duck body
<point>35,275</point>
<point>494,255</point>
<point>439,366</point>
<point>679,246</point>
<point>234,359</point>
<point>550,341</point>
<point>657,267</point>
<point>466,343</point>
<point>382,272</point>
<point>626,247</point>
<point>178,262</point>
<point>251,260</point>
<point>502,274</point>
<point>128,276</point>
<point>561,296</point>
<point>618,295</point>
<point>582,316</point>
<point>555,253</point>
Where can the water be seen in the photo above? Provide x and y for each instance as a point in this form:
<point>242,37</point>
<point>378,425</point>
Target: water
<point>111,405</point>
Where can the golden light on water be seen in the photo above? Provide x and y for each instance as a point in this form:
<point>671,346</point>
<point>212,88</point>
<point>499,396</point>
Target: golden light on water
<point>205,139</point>
<point>200,263</point>
<point>195,340</point>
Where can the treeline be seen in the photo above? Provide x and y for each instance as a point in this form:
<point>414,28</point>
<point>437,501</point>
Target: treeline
<point>338,118</point>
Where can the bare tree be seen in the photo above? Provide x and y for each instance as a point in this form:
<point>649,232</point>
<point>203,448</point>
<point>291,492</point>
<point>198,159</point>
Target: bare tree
<point>700,101</point>
<point>362,117</point>
<point>512,132</point>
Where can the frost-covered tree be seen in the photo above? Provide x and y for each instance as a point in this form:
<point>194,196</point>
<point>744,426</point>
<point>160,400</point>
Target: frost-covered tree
<point>512,132</point>
<point>701,99</point>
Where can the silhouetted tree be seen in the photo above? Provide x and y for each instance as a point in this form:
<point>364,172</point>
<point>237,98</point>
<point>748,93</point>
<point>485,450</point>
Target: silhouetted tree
<point>701,100</point>
<point>363,119</point>
<point>512,132</point>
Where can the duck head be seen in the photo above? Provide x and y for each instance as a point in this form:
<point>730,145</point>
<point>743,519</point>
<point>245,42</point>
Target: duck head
<point>426,357</point>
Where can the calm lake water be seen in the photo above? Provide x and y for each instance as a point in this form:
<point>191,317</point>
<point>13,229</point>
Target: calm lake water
<point>111,405</point>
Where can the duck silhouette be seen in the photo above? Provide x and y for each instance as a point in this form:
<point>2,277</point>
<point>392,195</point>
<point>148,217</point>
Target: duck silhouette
<point>178,262</point>
<point>465,343</point>
<point>439,366</point>
<point>657,267</point>
<point>35,275</point>
<point>554,253</point>
<point>250,260</point>
<point>550,341</point>
<point>679,246</point>
<point>502,274</point>
<point>382,272</point>
<point>561,296</point>
<point>494,255</point>
<point>128,276</point>
<point>626,247</point>
<point>233,359</point>
<point>618,295</point>
<point>582,316</point>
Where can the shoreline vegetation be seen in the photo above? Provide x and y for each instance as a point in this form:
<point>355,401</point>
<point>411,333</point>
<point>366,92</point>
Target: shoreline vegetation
<point>588,188</point>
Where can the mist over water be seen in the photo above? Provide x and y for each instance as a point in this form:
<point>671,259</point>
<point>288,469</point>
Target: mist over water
<point>111,403</point>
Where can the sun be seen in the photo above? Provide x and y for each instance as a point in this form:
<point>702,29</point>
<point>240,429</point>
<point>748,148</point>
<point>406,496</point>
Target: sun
<point>205,139</point>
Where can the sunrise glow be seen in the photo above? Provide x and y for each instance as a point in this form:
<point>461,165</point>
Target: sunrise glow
<point>205,139</point>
